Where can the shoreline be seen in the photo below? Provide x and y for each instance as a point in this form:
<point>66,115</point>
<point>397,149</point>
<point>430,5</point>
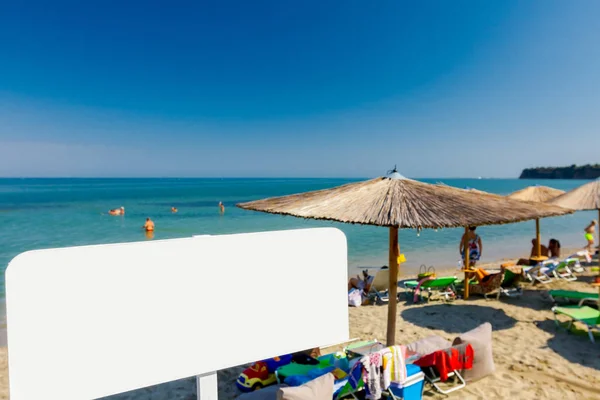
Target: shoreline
<point>407,271</point>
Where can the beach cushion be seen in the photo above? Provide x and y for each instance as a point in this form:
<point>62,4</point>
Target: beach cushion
<point>317,389</point>
<point>428,345</point>
<point>480,339</point>
<point>268,393</point>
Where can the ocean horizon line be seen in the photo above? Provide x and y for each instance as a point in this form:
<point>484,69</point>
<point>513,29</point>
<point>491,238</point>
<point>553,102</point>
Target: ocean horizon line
<point>247,177</point>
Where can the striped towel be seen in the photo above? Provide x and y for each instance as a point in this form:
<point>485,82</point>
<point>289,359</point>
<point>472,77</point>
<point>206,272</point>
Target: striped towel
<point>394,367</point>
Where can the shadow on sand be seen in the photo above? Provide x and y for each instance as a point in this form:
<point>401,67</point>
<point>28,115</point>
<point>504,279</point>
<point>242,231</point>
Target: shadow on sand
<point>457,318</point>
<point>574,346</point>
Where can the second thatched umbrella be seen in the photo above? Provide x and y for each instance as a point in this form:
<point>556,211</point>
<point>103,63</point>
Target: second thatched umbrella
<point>585,197</point>
<point>537,194</point>
<point>397,202</point>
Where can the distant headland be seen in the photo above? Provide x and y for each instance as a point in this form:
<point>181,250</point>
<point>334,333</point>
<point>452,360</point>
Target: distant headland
<point>573,172</point>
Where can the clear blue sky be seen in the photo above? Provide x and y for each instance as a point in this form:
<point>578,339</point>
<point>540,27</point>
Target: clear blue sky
<point>297,88</point>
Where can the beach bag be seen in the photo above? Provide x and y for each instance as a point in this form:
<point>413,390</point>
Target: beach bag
<point>425,272</point>
<point>354,298</point>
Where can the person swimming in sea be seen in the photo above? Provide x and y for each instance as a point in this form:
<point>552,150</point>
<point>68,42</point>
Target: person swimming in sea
<point>149,225</point>
<point>221,208</point>
<point>173,209</point>
<point>117,211</point>
<point>589,236</point>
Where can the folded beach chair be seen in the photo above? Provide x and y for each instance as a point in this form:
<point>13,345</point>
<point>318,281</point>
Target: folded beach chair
<point>491,285</point>
<point>572,295</point>
<point>444,365</point>
<point>588,316</point>
<point>380,286</point>
<point>443,287</point>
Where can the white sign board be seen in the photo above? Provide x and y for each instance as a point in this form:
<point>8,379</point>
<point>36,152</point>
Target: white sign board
<point>87,322</point>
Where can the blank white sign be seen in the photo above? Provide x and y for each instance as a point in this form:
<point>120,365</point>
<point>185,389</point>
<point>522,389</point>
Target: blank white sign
<point>86,322</point>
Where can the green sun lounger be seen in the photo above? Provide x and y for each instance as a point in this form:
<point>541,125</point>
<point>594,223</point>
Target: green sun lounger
<point>443,286</point>
<point>573,295</point>
<point>588,316</point>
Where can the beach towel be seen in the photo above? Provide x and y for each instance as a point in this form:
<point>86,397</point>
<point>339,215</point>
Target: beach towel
<point>372,376</point>
<point>394,367</point>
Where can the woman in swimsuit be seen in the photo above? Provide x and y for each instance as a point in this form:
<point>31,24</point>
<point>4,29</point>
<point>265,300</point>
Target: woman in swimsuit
<point>589,236</point>
<point>475,246</point>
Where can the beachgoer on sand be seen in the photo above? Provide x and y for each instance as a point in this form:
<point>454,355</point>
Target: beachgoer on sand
<point>117,211</point>
<point>589,236</point>
<point>544,251</point>
<point>475,246</point>
<point>221,208</point>
<point>149,225</point>
<point>554,248</point>
<point>361,284</point>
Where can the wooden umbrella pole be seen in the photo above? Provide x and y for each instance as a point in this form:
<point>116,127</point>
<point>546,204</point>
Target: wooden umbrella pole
<point>538,246</point>
<point>393,290</point>
<point>466,262</point>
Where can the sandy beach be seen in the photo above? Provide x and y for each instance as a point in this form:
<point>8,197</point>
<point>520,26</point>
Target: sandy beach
<point>533,359</point>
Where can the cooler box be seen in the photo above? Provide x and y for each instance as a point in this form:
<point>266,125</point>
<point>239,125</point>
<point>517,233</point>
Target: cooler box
<point>413,387</point>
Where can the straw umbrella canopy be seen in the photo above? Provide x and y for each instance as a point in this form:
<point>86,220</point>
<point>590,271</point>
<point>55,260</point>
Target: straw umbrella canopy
<point>397,202</point>
<point>538,194</point>
<point>585,197</point>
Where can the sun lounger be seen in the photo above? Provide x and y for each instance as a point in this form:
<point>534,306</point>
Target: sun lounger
<point>588,316</point>
<point>510,284</point>
<point>540,273</point>
<point>573,295</point>
<point>380,286</point>
<point>561,270</point>
<point>574,264</point>
<point>489,286</point>
<point>443,286</point>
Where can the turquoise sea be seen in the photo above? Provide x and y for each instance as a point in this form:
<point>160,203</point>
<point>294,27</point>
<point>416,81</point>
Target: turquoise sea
<point>46,213</point>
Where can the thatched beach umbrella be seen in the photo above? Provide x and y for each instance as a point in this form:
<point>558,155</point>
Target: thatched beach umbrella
<point>537,194</point>
<point>397,202</point>
<point>585,197</point>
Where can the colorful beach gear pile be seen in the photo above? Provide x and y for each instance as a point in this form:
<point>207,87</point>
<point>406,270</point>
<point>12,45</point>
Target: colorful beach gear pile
<point>369,368</point>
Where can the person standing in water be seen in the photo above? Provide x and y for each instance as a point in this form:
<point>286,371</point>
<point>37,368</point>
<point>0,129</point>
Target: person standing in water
<point>589,236</point>
<point>173,209</point>
<point>221,208</point>
<point>474,246</point>
<point>149,225</point>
